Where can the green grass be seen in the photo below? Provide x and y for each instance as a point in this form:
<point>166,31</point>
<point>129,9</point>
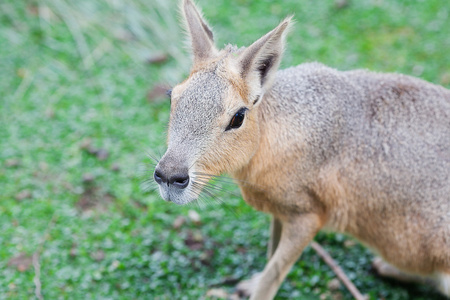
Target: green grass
<point>76,125</point>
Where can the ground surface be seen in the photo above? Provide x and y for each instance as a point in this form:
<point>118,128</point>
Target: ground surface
<point>82,102</point>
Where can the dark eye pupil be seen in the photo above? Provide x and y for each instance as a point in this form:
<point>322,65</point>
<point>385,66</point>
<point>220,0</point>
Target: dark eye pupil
<point>237,119</point>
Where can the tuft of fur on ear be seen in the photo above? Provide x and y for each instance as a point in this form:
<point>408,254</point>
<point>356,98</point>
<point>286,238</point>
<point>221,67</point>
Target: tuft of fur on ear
<point>199,33</point>
<point>259,62</point>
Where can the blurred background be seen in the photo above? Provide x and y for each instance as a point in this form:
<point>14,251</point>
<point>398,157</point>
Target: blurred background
<point>83,109</point>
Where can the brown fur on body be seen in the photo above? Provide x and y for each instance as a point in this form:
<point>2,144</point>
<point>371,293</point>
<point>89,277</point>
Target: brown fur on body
<point>358,152</point>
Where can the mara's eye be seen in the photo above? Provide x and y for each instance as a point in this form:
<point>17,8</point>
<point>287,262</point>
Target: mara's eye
<point>237,119</point>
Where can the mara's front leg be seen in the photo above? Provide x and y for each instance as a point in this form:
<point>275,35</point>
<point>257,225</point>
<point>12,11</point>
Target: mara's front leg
<point>275,235</point>
<point>296,233</point>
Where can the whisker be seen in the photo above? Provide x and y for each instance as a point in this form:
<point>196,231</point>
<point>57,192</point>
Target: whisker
<point>218,188</point>
<point>228,180</point>
<point>153,156</point>
<point>209,193</point>
<point>206,192</point>
<point>193,164</point>
<point>200,202</point>
<point>145,171</point>
<point>218,179</point>
<point>159,153</point>
<point>223,203</point>
<point>148,185</point>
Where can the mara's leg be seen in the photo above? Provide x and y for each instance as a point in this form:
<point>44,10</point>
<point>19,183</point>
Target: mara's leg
<point>275,235</point>
<point>443,283</point>
<point>441,280</point>
<point>296,234</point>
<point>385,269</point>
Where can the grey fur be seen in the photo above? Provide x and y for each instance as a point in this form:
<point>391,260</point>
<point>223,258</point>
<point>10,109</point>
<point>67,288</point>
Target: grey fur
<point>191,131</point>
<point>397,126</point>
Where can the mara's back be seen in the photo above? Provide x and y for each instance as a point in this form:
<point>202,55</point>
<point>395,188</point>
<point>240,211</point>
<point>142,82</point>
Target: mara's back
<point>385,121</point>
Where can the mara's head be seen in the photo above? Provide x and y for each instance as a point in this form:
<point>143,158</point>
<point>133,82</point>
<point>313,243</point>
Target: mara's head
<point>214,121</point>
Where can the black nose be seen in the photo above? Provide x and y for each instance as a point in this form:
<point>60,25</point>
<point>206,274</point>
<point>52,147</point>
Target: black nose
<point>179,181</point>
<point>159,177</point>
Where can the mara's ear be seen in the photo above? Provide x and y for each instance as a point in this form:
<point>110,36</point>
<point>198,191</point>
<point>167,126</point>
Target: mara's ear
<point>200,34</point>
<point>259,62</point>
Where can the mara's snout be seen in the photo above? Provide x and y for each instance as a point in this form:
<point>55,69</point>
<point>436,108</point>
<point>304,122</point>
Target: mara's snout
<point>173,187</point>
<point>175,183</point>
